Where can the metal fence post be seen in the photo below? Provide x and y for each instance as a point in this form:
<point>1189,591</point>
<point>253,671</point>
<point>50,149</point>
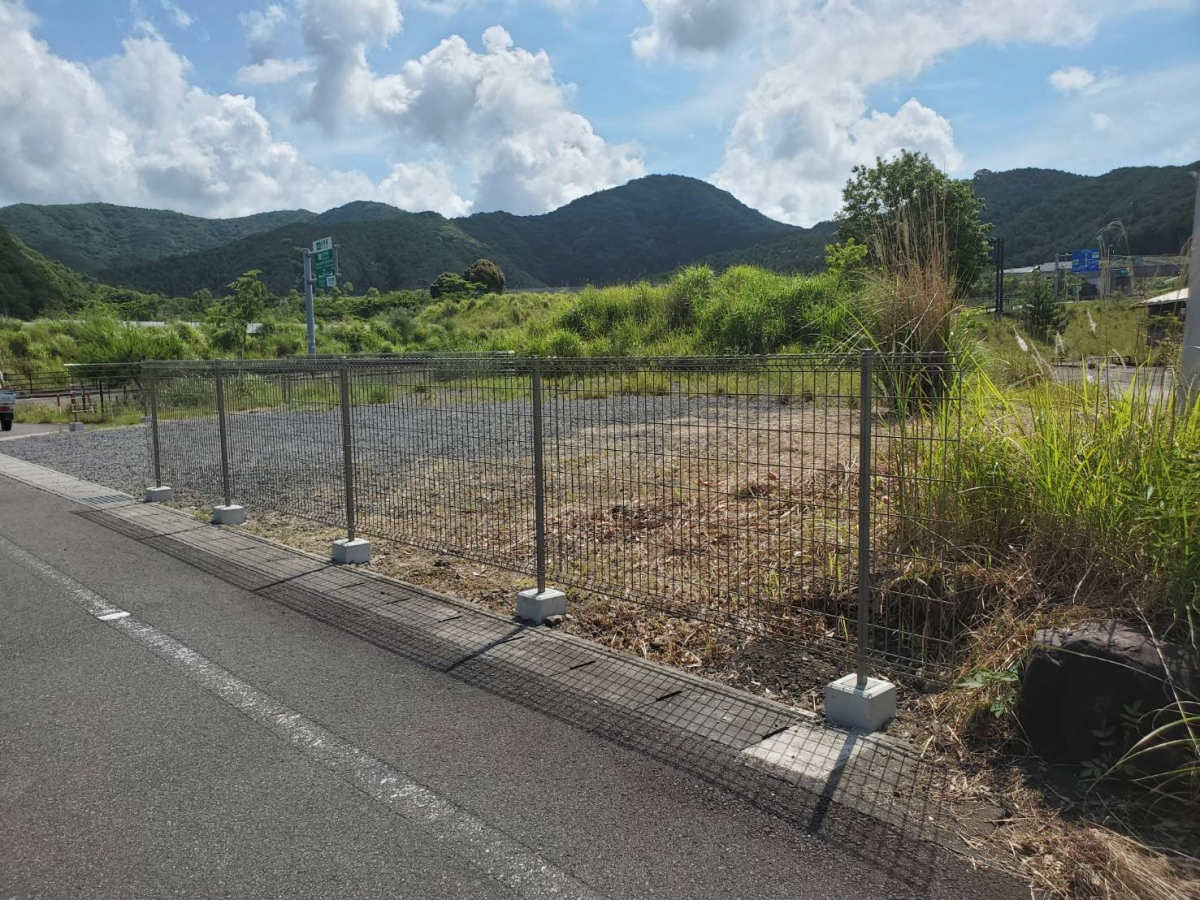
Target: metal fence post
<point>347,451</point>
<point>539,479</point>
<point>152,383</point>
<point>862,662</point>
<point>228,493</point>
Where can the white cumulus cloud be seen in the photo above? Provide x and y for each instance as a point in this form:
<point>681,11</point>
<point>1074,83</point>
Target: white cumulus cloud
<point>506,116</point>
<point>262,29</point>
<point>1071,80</point>
<point>1075,80</point>
<point>338,33</point>
<point>806,122</point>
<point>134,129</point>
<point>696,25</point>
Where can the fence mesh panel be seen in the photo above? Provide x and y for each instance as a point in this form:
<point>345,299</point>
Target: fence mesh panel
<point>92,393</point>
<point>724,489</point>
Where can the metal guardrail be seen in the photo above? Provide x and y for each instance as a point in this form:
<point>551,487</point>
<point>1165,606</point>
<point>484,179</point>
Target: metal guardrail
<point>726,489</point>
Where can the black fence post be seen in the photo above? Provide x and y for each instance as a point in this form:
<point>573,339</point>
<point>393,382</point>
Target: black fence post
<point>539,478</point>
<point>347,450</point>
<point>865,404</point>
<point>225,480</point>
<point>152,383</point>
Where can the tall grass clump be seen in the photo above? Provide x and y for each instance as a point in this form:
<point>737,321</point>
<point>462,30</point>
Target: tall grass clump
<point>910,300</point>
<point>1099,493</point>
<point>751,310</point>
<point>911,294</point>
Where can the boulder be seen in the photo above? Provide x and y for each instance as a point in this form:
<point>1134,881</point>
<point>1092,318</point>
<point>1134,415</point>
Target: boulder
<point>1089,692</point>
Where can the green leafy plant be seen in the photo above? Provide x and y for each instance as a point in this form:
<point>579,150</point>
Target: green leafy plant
<point>226,322</point>
<point>1001,684</point>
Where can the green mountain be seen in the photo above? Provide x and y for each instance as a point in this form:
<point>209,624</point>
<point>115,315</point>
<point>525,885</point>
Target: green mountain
<point>648,226</point>
<point>93,236</point>
<point>406,250</point>
<point>1039,212</point>
<point>645,228</point>
<point>31,284</point>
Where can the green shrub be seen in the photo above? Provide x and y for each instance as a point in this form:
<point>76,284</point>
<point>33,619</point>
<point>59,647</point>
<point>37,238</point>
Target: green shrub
<point>450,285</point>
<point>564,343</point>
<point>690,286</point>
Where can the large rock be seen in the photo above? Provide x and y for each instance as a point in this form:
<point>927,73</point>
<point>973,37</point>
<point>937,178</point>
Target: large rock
<point>1089,692</point>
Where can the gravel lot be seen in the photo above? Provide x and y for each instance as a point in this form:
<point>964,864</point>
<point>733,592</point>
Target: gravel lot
<point>725,510</point>
<point>116,457</point>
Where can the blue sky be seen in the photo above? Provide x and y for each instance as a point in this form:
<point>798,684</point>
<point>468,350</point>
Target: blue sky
<point>225,108</point>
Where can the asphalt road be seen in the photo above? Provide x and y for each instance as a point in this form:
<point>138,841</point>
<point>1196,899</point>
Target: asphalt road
<point>213,744</point>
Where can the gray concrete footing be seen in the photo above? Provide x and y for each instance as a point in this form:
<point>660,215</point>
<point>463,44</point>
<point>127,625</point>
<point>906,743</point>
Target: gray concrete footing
<point>160,494</point>
<point>351,552</point>
<point>229,515</point>
<point>75,426</point>
<point>862,707</point>
<point>538,607</point>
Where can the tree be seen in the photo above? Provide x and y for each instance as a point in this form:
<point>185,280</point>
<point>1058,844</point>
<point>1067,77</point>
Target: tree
<point>845,257</point>
<point>226,322</point>
<point>1042,312</point>
<point>487,275</point>
<point>910,191</point>
<point>450,285</point>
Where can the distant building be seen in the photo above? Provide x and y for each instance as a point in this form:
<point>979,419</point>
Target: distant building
<point>1159,311</point>
<point>1116,274</point>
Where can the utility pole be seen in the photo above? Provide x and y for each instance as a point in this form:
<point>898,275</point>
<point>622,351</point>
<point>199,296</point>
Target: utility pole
<point>1189,362</point>
<point>308,303</point>
<point>998,245</point>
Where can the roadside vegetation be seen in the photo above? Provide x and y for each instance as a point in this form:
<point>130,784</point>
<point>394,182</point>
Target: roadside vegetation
<point>1072,502</point>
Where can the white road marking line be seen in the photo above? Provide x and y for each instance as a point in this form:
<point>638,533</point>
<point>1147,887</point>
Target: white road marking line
<point>486,847</point>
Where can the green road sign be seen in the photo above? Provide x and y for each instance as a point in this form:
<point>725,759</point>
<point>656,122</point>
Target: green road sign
<point>324,268</point>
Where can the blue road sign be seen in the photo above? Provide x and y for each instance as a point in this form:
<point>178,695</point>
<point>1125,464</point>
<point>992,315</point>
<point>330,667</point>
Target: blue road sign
<point>1085,261</point>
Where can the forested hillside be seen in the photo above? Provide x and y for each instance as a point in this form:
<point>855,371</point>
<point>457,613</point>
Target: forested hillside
<point>1042,211</point>
<point>31,284</point>
<point>406,250</point>
<point>646,228</point>
<point>93,236</point>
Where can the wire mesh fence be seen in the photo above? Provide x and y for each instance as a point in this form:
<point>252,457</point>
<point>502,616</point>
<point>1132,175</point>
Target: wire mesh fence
<point>725,489</point>
<point>90,393</point>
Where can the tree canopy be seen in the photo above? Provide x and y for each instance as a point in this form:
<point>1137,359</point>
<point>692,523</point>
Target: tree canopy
<point>486,275</point>
<point>911,190</point>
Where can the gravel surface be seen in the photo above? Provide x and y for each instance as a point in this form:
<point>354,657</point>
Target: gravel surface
<point>115,457</point>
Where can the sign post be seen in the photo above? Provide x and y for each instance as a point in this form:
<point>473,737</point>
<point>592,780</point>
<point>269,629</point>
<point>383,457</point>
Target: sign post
<point>1189,363</point>
<point>320,268</point>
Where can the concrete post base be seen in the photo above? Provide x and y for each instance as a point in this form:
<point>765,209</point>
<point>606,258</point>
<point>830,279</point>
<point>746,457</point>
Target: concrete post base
<point>537,608</point>
<point>351,552</point>
<point>75,426</point>
<point>864,708</point>
<point>229,515</point>
<point>160,494</point>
